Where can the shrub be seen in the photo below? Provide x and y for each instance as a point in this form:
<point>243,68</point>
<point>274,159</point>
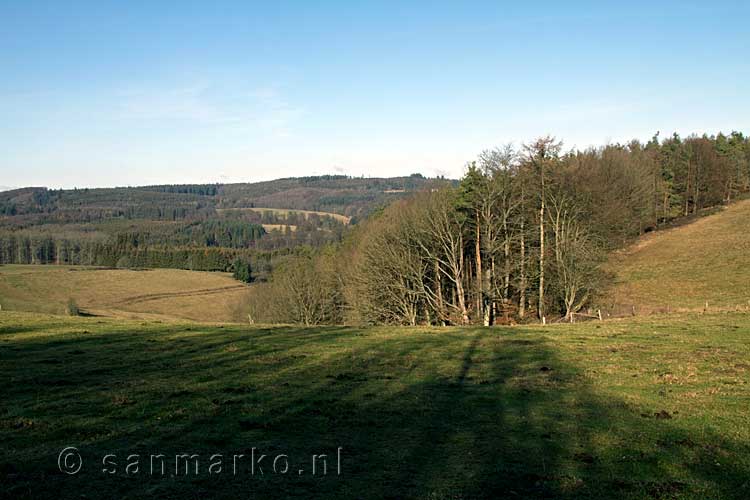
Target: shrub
<point>242,271</point>
<point>72,308</point>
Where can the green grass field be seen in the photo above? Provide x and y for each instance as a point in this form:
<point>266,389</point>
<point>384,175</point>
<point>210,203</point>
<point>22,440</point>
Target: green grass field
<point>651,407</point>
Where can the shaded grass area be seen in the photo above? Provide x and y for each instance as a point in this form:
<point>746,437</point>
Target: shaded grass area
<point>645,408</point>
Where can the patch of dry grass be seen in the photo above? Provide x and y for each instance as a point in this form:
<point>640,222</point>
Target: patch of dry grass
<point>164,294</point>
<point>684,268</point>
<point>283,212</point>
<point>280,227</point>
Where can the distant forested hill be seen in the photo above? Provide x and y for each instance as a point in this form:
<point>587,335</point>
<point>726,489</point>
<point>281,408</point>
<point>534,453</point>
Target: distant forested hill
<point>353,197</point>
<point>194,226</point>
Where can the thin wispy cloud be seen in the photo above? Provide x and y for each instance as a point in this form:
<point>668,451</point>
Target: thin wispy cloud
<point>276,114</point>
<point>201,104</point>
<point>188,103</point>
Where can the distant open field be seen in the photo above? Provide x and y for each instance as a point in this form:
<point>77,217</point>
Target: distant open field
<point>682,269</point>
<point>283,212</point>
<point>153,293</point>
<point>653,407</point>
<point>280,227</point>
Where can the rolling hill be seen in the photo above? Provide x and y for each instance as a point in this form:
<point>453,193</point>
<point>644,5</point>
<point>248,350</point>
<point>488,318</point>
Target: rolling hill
<point>685,268</point>
<point>335,194</point>
<point>204,227</point>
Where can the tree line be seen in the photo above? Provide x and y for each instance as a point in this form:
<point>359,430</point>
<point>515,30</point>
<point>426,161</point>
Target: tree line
<point>121,253</point>
<point>521,237</point>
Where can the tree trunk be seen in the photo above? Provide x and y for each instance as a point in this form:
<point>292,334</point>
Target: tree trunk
<point>696,191</point>
<point>492,306</point>
<point>506,254</point>
<point>460,286</point>
<point>522,283</point>
<point>478,257</point>
<point>462,302</point>
<point>656,201</point>
<point>540,304</point>
<point>687,191</point>
<point>440,305</point>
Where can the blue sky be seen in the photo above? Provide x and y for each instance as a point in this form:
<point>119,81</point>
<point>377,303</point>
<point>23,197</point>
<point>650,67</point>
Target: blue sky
<point>127,93</point>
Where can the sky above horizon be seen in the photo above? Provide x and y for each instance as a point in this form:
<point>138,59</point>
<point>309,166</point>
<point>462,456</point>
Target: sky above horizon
<point>132,93</point>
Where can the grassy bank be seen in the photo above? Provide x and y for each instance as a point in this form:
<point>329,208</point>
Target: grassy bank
<point>685,268</point>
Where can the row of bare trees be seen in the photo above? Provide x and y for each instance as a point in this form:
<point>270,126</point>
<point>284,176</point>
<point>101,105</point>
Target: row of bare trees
<point>520,237</point>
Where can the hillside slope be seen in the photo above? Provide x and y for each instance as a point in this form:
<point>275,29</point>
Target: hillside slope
<point>681,269</point>
<point>143,294</point>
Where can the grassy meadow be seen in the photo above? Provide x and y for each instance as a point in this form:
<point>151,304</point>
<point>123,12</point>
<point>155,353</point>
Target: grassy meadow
<point>651,407</point>
<point>682,269</point>
<point>164,294</point>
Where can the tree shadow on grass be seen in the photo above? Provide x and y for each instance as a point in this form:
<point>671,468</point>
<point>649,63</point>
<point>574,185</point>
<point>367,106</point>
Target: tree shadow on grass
<point>515,421</point>
<point>445,414</point>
